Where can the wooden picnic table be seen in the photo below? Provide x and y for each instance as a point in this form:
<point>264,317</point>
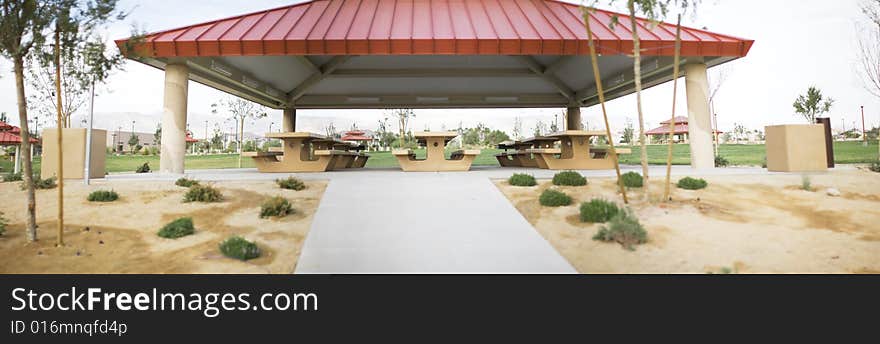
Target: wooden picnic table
<point>575,152</point>
<point>307,152</point>
<point>435,160</point>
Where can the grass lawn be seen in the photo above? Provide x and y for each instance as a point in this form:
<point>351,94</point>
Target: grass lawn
<point>739,155</point>
<point>848,152</point>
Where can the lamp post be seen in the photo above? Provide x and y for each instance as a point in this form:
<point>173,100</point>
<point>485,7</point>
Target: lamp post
<point>864,137</point>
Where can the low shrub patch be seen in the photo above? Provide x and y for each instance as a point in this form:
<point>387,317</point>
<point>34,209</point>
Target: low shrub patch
<point>3,223</point>
<point>806,184</point>
<point>12,177</point>
<point>177,228</point>
<point>145,168</point>
<point>598,211</point>
<point>625,229</point>
<point>275,206</point>
<point>721,161</point>
<point>632,180</point>
<point>103,196</point>
<point>239,248</point>
<point>42,184</point>
<point>522,179</point>
<point>689,183</point>
<point>291,183</point>
<point>186,182</point>
<point>553,198</point>
<point>875,166</point>
<point>569,178</point>
<point>202,193</point>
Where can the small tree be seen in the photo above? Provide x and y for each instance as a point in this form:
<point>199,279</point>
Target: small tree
<point>812,105</point>
<point>239,110</point>
<point>628,132</point>
<point>403,116</point>
<point>22,30</point>
<point>133,141</point>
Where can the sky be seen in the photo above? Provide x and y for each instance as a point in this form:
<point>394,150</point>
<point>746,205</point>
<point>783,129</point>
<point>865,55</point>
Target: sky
<point>798,43</point>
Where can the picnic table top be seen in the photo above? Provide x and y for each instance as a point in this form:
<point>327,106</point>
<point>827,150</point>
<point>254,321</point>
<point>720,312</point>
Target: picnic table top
<point>538,139</point>
<point>577,133</point>
<point>296,135</point>
<point>427,134</point>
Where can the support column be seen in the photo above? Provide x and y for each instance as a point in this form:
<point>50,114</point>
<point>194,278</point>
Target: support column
<point>699,121</point>
<point>17,167</point>
<point>573,118</point>
<point>173,141</point>
<point>288,122</point>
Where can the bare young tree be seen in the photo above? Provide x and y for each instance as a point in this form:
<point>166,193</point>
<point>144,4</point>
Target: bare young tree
<point>239,110</point>
<point>869,48</point>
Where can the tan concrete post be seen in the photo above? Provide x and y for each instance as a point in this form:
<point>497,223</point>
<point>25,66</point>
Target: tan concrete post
<point>699,122</point>
<point>174,119</point>
<point>288,122</point>
<point>573,118</point>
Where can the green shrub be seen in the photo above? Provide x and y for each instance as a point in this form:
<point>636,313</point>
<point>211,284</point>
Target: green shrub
<point>186,182</point>
<point>239,248</point>
<point>42,184</point>
<point>177,228</point>
<point>875,166</point>
<point>145,168</point>
<point>598,211</point>
<point>623,228</point>
<point>721,161</point>
<point>806,184</point>
<point>689,183</point>
<point>3,223</point>
<point>291,183</point>
<point>569,178</point>
<point>275,206</point>
<point>12,177</point>
<point>553,198</point>
<point>632,180</point>
<point>103,196</point>
<point>764,163</point>
<point>202,193</point>
<point>521,179</point>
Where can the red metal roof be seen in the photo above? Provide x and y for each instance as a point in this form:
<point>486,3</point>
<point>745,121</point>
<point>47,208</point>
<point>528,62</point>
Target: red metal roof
<point>678,119</point>
<point>411,27</point>
<point>679,129</point>
<point>8,138</point>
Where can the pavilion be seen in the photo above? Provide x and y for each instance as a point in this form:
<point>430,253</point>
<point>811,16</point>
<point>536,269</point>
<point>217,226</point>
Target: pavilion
<point>680,130</point>
<point>325,54</point>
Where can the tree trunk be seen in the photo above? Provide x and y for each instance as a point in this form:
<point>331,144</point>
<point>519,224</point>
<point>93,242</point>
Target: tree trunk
<point>240,141</point>
<point>28,174</point>
<point>637,74</point>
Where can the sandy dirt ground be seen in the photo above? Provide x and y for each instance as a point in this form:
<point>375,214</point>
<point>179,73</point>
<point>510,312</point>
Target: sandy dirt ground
<point>745,224</point>
<point>120,236</point>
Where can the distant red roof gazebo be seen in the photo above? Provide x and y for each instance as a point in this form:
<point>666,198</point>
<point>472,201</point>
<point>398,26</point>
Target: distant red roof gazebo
<point>326,54</point>
<point>681,129</point>
<point>355,135</point>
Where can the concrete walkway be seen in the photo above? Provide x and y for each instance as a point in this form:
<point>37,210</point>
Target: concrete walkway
<point>397,222</point>
<point>388,221</point>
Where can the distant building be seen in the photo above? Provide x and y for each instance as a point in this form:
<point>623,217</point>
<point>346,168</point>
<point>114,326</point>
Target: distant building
<point>118,140</point>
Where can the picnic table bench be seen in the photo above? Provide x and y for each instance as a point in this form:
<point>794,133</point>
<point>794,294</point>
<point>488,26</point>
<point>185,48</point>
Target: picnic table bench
<point>307,152</point>
<point>435,160</point>
<point>575,152</point>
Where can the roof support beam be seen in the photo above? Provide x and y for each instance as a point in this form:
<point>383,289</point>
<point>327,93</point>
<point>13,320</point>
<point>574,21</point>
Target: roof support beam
<point>626,80</point>
<point>546,73</point>
<point>370,101</point>
<point>216,69</point>
<point>323,71</point>
<point>429,73</point>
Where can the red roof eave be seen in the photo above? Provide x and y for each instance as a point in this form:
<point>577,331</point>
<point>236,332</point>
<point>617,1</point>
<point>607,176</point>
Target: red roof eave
<point>457,27</point>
